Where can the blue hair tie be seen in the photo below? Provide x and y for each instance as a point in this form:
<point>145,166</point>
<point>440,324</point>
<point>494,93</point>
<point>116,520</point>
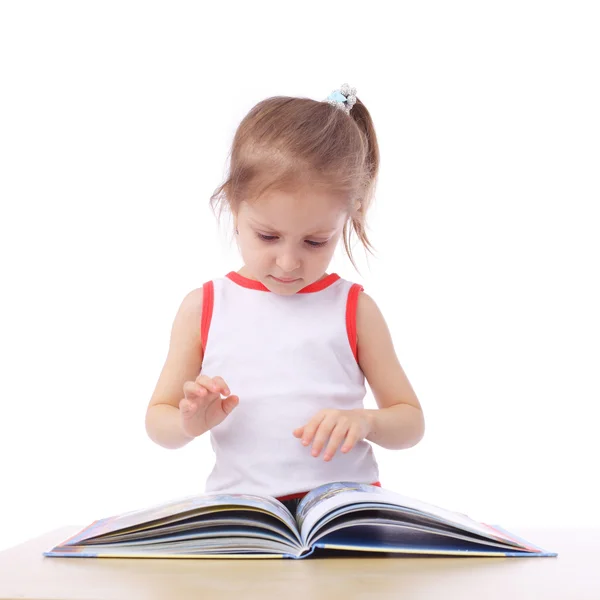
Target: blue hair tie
<point>344,98</point>
<point>337,96</point>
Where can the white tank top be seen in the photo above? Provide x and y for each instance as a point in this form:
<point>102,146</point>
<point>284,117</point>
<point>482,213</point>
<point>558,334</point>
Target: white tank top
<point>286,357</point>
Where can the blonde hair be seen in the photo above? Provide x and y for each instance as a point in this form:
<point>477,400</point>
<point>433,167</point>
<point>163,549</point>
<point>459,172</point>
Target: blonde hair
<point>287,143</point>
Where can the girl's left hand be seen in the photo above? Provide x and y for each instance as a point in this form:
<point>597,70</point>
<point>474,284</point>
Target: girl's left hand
<point>337,426</point>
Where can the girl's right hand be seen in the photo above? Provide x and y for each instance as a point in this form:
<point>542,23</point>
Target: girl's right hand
<point>202,408</point>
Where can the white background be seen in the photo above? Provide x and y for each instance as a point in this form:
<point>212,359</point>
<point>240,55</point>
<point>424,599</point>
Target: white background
<point>115,124</point>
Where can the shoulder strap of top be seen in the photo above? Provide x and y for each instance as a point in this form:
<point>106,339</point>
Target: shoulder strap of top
<point>208,299</point>
<point>351,306</point>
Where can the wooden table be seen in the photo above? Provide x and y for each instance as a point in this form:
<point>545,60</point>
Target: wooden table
<point>573,575</point>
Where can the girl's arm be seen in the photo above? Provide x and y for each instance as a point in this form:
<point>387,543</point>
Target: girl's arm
<point>183,363</point>
<point>399,422</point>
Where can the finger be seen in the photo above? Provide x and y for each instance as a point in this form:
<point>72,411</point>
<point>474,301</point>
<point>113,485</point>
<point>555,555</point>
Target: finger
<point>337,437</point>
<point>322,435</point>
<point>229,404</point>
<point>208,383</point>
<point>221,385</point>
<point>218,410</point>
<point>351,438</point>
<point>311,427</point>
<point>298,432</point>
<point>191,390</point>
<point>187,407</point>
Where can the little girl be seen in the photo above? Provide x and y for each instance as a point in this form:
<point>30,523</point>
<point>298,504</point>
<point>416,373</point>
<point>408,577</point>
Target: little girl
<point>272,359</point>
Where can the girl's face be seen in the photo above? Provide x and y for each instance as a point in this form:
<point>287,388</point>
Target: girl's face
<point>289,237</point>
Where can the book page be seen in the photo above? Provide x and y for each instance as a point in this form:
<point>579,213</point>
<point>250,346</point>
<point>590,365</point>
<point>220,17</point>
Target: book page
<point>186,507</point>
<point>327,498</point>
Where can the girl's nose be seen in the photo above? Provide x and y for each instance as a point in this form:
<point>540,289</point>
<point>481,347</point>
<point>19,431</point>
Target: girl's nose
<point>287,262</point>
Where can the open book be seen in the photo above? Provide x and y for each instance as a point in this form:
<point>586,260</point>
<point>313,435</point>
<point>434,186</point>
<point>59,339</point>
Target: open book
<point>335,516</point>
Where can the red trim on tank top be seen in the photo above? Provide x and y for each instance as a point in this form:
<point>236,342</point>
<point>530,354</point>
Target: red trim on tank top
<point>302,494</point>
<point>317,286</point>
<point>208,298</point>
<point>253,284</point>
<point>351,306</point>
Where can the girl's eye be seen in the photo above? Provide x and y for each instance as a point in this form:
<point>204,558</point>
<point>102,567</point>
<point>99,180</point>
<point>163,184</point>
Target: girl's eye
<point>272,238</point>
